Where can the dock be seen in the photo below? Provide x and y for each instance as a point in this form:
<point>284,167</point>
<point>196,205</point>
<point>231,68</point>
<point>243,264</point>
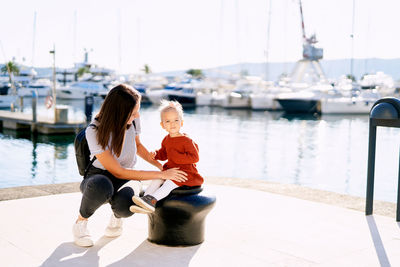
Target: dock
<point>27,122</point>
<point>247,227</point>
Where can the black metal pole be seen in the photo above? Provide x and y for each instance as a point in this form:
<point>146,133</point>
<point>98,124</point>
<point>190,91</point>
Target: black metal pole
<point>89,101</point>
<point>371,168</point>
<point>34,110</point>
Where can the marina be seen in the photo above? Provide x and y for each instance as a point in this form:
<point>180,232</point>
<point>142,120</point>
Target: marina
<point>327,152</point>
<point>294,107</point>
<point>43,125</point>
<point>303,128</point>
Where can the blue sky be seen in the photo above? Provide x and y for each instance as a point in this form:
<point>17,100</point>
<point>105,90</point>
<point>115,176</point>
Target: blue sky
<point>182,34</point>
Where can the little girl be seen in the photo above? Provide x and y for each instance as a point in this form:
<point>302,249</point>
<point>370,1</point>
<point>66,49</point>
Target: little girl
<point>179,150</point>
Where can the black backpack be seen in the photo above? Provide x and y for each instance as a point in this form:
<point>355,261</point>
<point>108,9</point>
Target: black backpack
<point>82,152</point>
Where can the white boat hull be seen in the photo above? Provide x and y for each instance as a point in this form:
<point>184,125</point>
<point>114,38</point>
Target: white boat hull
<point>212,99</point>
<point>185,99</point>
<point>70,94</point>
<point>264,101</point>
<point>236,101</point>
<point>346,106</point>
<point>80,90</point>
<point>78,94</point>
<point>230,102</point>
<point>204,99</point>
<point>27,92</point>
<point>155,96</point>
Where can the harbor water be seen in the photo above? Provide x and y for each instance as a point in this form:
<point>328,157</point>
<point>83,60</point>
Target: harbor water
<point>322,152</point>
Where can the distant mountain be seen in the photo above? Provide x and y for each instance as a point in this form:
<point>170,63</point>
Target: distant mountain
<point>332,68</point>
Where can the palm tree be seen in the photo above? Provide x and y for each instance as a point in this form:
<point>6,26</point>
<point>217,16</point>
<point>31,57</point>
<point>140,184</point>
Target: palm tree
<point>244,73</point>
<point>351,77</point>
<point>146,69</point>
<point>82,71</point>
<point>10,68</point>
<point>196,73</point>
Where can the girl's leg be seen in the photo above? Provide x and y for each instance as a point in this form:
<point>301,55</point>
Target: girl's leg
<point>154,185</point>
<point>96,191</point>
<point>164,190</point>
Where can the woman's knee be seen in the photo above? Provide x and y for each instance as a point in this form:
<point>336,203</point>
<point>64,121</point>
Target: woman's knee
<point>97,185</point>
<point>121,202</point>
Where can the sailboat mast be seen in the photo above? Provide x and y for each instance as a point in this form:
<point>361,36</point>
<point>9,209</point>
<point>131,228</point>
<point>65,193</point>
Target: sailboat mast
<point>33,39</point>
<point>352,40</point>
<point>221,16</point>
<point>119,40</point>
<point>74,37</point>
<point>267,48</point>
<point>238,37</point>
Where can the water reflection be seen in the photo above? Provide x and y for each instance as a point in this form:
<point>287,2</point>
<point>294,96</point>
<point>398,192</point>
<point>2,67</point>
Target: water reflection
<point>306,116</point>
<point>41,156</point>
<point>325,152</point>
<point>59,141</point>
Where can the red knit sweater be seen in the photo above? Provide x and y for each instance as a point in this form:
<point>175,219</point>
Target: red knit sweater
<point>181,152</point>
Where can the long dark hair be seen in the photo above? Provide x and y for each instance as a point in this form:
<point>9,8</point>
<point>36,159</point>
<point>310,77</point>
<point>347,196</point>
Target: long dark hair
<point>114,115</point>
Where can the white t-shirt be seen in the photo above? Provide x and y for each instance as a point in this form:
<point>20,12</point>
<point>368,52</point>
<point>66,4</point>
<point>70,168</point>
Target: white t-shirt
<point>127,159</point>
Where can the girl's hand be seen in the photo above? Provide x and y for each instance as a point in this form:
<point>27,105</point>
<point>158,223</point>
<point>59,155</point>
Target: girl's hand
<point>174,174</point>
<point>153,155</point>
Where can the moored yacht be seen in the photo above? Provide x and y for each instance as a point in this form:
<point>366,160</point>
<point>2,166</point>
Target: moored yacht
<point>380,81</point>
<point>155,96</point>
<point>356,104</point>
<point>147,83</point>
<point>186,96</point>
<point>236,99</point>
<point>142,88</point>
<point>212,93</point>
<point>42,87</point>
<point>79,90</point>
<point>187,93</point>
<point>266,99</point>
<point>240,96</point>
<point>307,100</point>
<point>7,96</point>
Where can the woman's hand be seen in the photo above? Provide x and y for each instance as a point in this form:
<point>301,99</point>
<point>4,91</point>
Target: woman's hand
<point>153,155</point>
<point>174,174</point>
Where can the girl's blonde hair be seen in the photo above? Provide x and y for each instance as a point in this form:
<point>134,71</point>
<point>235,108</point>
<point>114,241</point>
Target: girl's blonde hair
<point>167,105</point>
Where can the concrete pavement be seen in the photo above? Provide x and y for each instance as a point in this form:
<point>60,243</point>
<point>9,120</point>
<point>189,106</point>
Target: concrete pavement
<point>247,227</point>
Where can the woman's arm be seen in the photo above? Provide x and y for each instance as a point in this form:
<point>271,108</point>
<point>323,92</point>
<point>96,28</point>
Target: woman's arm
<point>144,154</point>
<point>112,165</point>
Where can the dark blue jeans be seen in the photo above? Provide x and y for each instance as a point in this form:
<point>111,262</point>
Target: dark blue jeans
<point>101,187</point>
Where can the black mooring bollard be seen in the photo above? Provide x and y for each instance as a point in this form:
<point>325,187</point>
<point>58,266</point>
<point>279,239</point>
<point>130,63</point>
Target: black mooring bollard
<point>34,105</point>
<point>89,101</point>
<point>34,110</point>
<point>179,219</point>
<point>385,113</point>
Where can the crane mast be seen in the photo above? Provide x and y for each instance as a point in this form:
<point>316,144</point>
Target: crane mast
<point>310,52</point>
<point>308,69</point>
<point>302,22</point>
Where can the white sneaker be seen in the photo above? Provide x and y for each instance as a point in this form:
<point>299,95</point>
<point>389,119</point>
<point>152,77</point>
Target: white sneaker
<point>114,228</point>
<point>136,209</point>
<point>81,234</point>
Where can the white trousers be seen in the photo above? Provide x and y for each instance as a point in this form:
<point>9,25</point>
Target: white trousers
<point>159,188</point>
